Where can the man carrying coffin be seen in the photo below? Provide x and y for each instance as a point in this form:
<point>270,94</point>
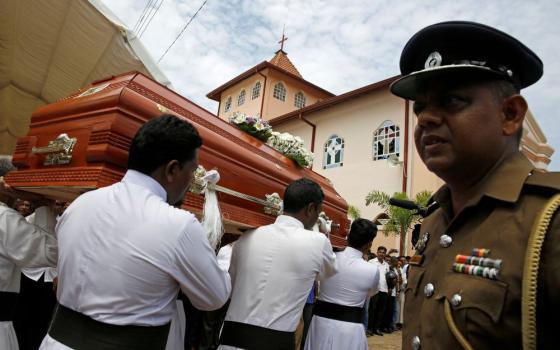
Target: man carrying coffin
<point>273,269</point>
<point>125,250</point>
<point>337,316</point>
<point>21,245</point>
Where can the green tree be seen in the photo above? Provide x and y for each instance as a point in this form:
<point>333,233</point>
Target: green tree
<point>400,220</point>
<point>354,213</point>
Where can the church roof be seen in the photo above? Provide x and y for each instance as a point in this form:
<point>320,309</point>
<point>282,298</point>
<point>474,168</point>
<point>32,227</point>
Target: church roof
<point>281,63</point>
<point>281,60</point>
<point>364,90</point>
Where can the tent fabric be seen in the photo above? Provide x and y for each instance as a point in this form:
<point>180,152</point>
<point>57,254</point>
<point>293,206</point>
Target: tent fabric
<point>50,49</point>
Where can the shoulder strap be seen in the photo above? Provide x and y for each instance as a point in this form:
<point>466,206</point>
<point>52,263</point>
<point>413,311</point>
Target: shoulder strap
<point>530,273</point>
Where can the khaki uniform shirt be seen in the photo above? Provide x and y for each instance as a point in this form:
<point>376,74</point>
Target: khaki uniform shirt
<point>500,218</point>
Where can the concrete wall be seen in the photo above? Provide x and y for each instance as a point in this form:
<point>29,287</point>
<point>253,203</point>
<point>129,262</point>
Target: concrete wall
<point>272,107</point>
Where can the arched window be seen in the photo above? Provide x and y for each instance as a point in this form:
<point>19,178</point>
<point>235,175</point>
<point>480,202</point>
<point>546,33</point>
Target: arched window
<point>256,90</point>
<point>334,152</point>
<point>241,98</point>
<point>227,105</point>
<point>386,140</point>
<point>299,100</point>
<point>279,92</point>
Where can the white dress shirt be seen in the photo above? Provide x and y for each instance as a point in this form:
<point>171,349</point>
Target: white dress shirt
<point>224,256</point>
<point>383,269</point>
<point>273,269</point>
<point>45,218</point>
<point>21,245</point>
<point>125,252</point>
<point>355,280</point>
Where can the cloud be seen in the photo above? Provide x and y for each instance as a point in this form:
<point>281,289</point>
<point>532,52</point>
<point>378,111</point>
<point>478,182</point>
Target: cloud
<point>338,45</point>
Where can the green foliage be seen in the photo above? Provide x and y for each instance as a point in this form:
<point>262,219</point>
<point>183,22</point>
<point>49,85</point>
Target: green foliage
<point>353,212</point>
<point>400,220</point>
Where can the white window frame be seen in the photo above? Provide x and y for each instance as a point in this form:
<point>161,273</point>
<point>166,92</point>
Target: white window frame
<point>333,146</point>
<point>299,97</point>
<point>227,104</point>
<point>279,91</point>
<point>256,90</point>
<point>386,133</point>
<point>241,98</point>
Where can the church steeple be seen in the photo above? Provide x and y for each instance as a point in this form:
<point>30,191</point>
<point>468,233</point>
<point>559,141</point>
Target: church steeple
<point>281,59</point>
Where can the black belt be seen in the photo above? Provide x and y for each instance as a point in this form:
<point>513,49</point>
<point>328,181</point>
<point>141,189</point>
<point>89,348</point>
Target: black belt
<point>250,337</point>
<point>8,303</point>
<point>81,332</point>
<point>338,312</point>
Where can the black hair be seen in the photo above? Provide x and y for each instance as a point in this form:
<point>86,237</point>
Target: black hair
<point>301,193</point>
<point>362,232</point>
<point>162,140</point>
<point>382,248</point>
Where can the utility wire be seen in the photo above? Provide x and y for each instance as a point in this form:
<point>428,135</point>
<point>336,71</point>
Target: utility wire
<point>147,23</point>
<point>182,30</point>
<point>142,16</point>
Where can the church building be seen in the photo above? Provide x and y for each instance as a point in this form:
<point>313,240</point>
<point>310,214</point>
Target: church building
<point>362,140</point>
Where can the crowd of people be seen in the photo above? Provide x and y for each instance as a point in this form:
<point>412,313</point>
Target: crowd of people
<point>125,253</point>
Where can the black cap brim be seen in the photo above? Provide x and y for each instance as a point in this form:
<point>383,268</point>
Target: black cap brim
<point>408,86</point>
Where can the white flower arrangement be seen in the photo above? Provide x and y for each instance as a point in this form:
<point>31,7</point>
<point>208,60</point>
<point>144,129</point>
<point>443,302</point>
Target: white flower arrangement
<point>292,147</point>
<point>254,126</point>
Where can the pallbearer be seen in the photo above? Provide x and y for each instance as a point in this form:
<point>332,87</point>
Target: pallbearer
<point>272,271</point>
<point>337,319</point>
<point>125,250</point>
<point>21,245</point>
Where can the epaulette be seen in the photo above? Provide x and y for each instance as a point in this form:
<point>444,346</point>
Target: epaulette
<point>549,182</point>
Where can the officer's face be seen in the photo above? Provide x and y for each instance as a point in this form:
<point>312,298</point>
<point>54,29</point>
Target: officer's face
<point>459,128</point>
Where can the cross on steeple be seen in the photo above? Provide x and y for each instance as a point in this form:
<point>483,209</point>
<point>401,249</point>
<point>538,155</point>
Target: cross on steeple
<point>284,38</point>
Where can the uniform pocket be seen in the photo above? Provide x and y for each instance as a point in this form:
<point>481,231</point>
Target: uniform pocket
<point>415,275</point>
<point>482,299</point>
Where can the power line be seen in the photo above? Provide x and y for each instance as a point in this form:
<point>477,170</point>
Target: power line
<point>142,15</point>
<point>182,30</point>
<point>147,23</point>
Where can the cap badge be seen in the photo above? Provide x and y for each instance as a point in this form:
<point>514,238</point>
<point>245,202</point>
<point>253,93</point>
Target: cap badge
<point>434,60</point>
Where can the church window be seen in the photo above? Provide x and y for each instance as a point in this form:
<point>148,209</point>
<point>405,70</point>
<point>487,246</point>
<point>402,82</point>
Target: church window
<point>227,105</point>
<point>334,152</point>
<point>279,92</point>
<point>299,100</point>
<point>256,90</point>
<point>386,141</point>
<point>241,98</point>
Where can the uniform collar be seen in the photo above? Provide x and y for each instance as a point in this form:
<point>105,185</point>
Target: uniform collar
<point>504,182</point>
<point>288,221</point>
<point>143,180</point>
<point>353,252</point>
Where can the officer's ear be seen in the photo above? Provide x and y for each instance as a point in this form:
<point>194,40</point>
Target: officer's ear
<point>514,109</point>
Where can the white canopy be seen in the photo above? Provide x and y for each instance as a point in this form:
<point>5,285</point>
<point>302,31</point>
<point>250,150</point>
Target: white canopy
<point>49,49</point>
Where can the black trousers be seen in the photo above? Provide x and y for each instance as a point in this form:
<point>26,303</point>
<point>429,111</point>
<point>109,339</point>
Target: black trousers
<point>307,316</point>
<point>377,306</point>
<point>34,311</point>
<point>388,316</point>
<point>212,322</point>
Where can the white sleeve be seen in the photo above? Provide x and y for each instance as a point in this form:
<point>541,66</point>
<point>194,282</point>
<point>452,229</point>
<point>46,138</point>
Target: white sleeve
<point>375,285</point>
<point>224,257</point>
<point>328,260</point>
<point>25,244</point>
<point>197,271</point>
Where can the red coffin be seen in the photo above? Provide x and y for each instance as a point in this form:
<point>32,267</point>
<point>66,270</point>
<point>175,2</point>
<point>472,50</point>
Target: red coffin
<point>103,118</point>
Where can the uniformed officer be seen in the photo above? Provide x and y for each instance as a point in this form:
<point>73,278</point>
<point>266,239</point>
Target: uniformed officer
<point>470,284</point>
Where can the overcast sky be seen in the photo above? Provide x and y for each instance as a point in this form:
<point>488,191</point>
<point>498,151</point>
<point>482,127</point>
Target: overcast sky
<point>338,45</point>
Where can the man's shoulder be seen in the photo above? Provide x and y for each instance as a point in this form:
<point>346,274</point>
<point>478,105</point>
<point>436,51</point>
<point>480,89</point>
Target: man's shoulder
<point>547,181</point>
